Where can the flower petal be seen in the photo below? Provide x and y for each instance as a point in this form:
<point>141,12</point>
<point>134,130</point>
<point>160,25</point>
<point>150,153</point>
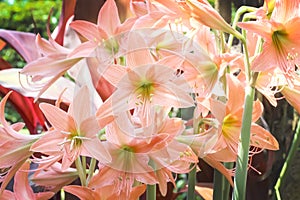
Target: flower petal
<point>220,167</point>
<point>59,119</point>
<point>21,189</point>
<point>292,95</point>
<point>49,143</point>
<point>49,66</point>
<point>108,18</point>
<point>88,30</point>
<point>84,193</point>
<point>81,107</point>
<point>262,138</point>
<point>95,149</point>
<point>171,95</point>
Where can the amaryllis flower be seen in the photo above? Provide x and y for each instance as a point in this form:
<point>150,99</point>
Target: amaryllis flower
<point>53,64</point>
<point>203,12</point>
<point>271,82</point>
<point>159,14</point>
<point>105,34</point>
<point>14,146</point>
<point>281,38</point>
<point>53,178</point>
<point>22,189</point>
<point>142,88</point>
<point>103,193</point>
<point>134,146</point>
<point>292,95</point>
<point>129,160</point>
<point>202,138</point>
<point>229,120</point>
<point>73,133</point>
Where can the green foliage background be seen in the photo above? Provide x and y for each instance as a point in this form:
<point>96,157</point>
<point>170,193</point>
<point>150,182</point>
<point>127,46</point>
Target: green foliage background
<point>27,16</point>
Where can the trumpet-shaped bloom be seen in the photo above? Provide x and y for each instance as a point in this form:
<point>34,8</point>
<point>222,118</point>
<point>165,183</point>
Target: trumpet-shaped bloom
<point>229,118</point>
<point>22,189</point>
<point>15,147</point>
<point>142,88</point>
<point>53,177</point>
<point>103,193</point>
<point>104,34</point>
<point>203,12</point>
<point>44,71</point>
<point>270,82</point>
<point>134,146</point>
<point>203,138</point>
<point>292,96</point>
<point>281,38</point>
<point>73,133</point>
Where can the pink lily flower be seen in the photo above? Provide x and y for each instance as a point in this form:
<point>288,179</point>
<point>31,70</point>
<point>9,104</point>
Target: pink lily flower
<point>203,138</point>
<point>104,37</point>
<point>229,120</point>
<point>73,133</point>
<point>103,193</point>
<point>292,96</point>
<point>132,146</point>
<point>142,88</point>
<point>15,147</point>
<point>159,14</point>
<point>22,189</point>
<point>53,178</point>
<point>53,64</point>
<point>281,39</point>
<point>202,11</point>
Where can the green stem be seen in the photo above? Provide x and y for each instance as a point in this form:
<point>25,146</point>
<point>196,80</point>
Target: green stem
<point>218,185</point>
<point>240,178</point>
<point>221,185</point>
<point>81,172</point>
<point>91,169</point>
<point>286,165</point>
<point>192,183</point>
<point>83,160</point>
<point>237,17</point>
<point>62,194</point>
<point>151,192</point>
<point>226,185</point>
<point>151,189</point>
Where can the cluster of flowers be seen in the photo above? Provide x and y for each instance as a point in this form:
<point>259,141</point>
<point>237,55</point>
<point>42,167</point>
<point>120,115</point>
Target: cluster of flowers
<point>151,96</point>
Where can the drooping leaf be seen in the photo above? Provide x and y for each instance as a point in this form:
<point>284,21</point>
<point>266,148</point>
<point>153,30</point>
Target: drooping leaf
<point>23,43</point>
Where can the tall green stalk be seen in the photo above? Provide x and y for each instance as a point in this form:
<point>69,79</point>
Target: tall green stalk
<point>291,155</point>
<point>226,184</point>
<point>239,13</point>
<point>91,169</point>
<point>151,192</point>
<point>218,185</point>
<point>240,178</point>
<point>151,189</point>
<point>81,172</point>
<point>192,184</point>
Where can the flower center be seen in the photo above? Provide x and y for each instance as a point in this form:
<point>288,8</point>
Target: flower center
<point>111,45</point>
<point>278,38</point>
<point>229,123</point>
<point>76,140</point>
<point>127,148</point>
<point>145,90</point>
